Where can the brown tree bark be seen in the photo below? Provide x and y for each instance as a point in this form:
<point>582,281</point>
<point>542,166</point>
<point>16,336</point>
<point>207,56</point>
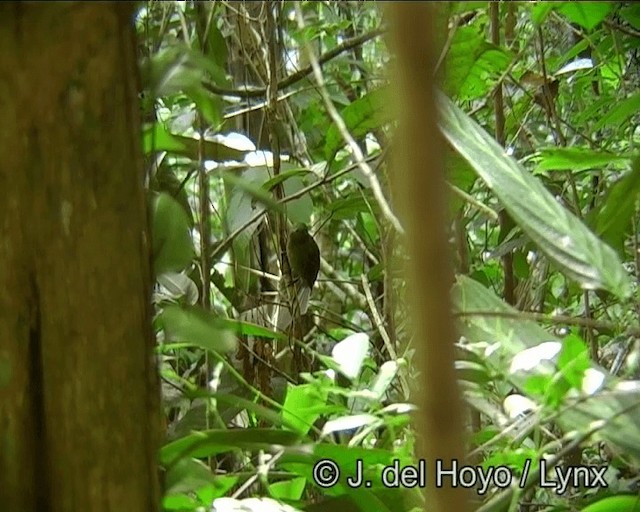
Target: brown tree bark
<point>78,388</point>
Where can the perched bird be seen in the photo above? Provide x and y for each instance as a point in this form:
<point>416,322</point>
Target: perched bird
<point>304,260</point>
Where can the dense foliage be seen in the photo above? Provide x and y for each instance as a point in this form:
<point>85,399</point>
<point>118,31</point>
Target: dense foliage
<point>258,117</point>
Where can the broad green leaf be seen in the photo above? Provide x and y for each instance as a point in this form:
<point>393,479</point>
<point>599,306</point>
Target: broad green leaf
<point>255,193</point>
<point>179,503</point>
<point>575,159</point>
<point>558,233</point>
<point>179,68</point>
<point>165,180</point>
<point>240,209</point>
<point>186,476</point>
<point>541,10</point>
<point>462,7</point>
<point>459,174</point>
<point>282,177</point>
<point>302,462</point>
<point>156,138</point>
<point>303,406</point>
<point>221,486</point>
<point>254,187</point>
<point>298,210</point>
<point>619,410</point>
<point>260,411</point>
<point>472,372</point>
<point>573,360</point>
<point>362,116</point>
<point>197,326</point>
<point>290,490</point>
<point>472,64</point>
<point>585,14</point>
<point>631,15</point>
<point>208,104</point>
<point>367,228</point>
<point>171,238</point>
<point>615,504</point>
<point>612,218</point>
<point>474,305</point>
<point>349,207</point>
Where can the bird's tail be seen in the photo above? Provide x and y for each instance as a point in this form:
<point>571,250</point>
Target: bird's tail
<point>303,295</point>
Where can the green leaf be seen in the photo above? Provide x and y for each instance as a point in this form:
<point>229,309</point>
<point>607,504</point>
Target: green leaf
<point>156,137</point>
<point>254,192</point>
<point>298,210</point>
<point>558,233</point>
<point>462,7</point>
<point>631,15</point>
<point>361,117</point>
<point>472,65</point>
<point>540,386</point>
<point>197,326</point>
<point>171,239</point>
<point>513,334</point>
<point>615,504</point>
<point>586,14</point>
<point>573,360</point>
<point>612,218</point>
<point>541,10</point>
<point>253,189</point>
<point>179,68</point>
<point>186,476</point>
<point>301,462</point>
<point>303,406</point>
<point>211,442</point>
<point>575,159</point>
<point>260,411</point>
<point>249,329</point>
<point>179,503</point>
<point>289,490</point>
<point>349,207</point>
<point>282,177</point>
<point>459,174</point>
<point>619,113</point>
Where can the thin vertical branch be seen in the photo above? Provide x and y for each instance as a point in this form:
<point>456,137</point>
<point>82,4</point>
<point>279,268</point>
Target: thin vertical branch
<point>420,173</point>
<point>498,108</point>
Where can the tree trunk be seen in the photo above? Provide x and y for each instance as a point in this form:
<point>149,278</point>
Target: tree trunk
<point>78,388</point>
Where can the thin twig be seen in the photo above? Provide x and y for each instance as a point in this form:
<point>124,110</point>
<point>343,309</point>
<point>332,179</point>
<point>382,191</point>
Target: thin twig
<point>344,131</point>
<point>377,319</point>
<point>541,317</point>
<point>226,243</point>
<point>296,77</point>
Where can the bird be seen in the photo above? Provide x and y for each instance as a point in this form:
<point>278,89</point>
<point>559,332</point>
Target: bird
<point>304,259</point>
